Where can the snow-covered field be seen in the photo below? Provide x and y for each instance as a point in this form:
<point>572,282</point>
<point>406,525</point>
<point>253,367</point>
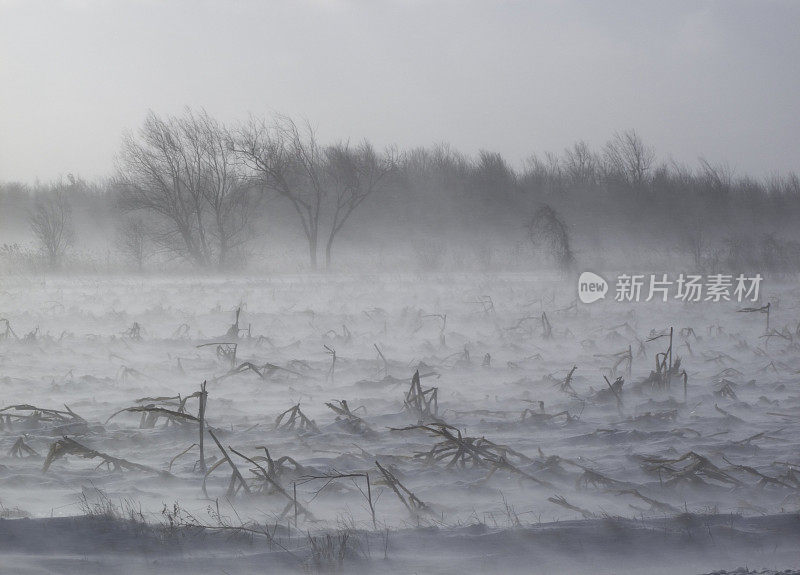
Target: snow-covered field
<point>519,468</point>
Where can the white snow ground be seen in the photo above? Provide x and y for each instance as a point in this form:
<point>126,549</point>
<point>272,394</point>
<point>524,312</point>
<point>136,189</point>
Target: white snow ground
<point>658,484</point>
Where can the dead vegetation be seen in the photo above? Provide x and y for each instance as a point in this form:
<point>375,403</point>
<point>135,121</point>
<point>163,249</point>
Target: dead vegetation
<point>267,476</point>
<point>33,417</point>
<point>410,501</point>
<point>505,402</point>
<point>39,414</point>
<point>561,501</point>
<point>423,404</point>
<point>457,451</point>
<point>295,420</point>
<point>539,416</point>
<point>67,446</point>
<point>349,420</point>
<point>661,378</point>
<point>565,386</point>
<point>22,449</point>
<point>152,413</point>
<point>691,468</point>
<point>330,551</point>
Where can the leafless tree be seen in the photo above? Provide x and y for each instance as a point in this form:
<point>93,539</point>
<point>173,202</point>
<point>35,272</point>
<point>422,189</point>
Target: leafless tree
<point>580,163</point>
<point>133,241</point>
<point>718,179</point>
<point>627,156</point>
<point>324,184</point>
<point>51,223</point>
<point>287,163</point>
<point>353,174</point>
<point>545,172</point>
<point>183,172</point>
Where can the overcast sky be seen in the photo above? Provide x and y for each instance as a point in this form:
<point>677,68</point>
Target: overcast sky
<point>717,79</point>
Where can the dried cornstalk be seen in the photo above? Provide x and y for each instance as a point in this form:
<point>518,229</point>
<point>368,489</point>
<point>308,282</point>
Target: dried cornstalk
<point>236,477</point>
<point>225,351</point>
<point>295,419</point>
<point>562,501</point>
<point>67,446</point>
<point>655,505</point>
<point>475,451</point>
<point>411,502</point>
<point>152,413</point>
<point>20,448</point>
<point>689,468</point>
<point>424,404</point>
<point>566,385</point>
<point>41,414</point>
<point>353,422</point>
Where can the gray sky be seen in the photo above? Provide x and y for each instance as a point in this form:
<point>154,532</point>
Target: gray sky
<point>718,79</point>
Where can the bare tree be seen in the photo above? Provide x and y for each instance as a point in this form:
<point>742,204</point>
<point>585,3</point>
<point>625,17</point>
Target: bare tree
<point>627,156</point>
<point>183,172</point>
<point>545,173</point>
<point>288,163</point>
<point>718,179</point>
<point>324,185</point>
<point>580,163</point>
<point>353,175</point>
<point>133,241</point>
<point>51,223</point>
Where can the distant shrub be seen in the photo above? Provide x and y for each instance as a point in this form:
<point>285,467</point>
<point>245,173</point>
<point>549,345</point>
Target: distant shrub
<point>547,231</point>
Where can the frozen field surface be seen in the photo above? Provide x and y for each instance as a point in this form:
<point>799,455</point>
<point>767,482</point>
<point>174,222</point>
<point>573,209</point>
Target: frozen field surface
<point>511,454</point>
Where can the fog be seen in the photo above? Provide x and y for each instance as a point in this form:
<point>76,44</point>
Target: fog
<point>400,287</point>
<point>717,79</point>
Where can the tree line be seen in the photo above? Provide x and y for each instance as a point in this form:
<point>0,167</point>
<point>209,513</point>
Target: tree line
<point>193,188</point>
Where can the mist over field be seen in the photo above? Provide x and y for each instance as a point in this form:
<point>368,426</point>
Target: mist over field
<point>399,287</point>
